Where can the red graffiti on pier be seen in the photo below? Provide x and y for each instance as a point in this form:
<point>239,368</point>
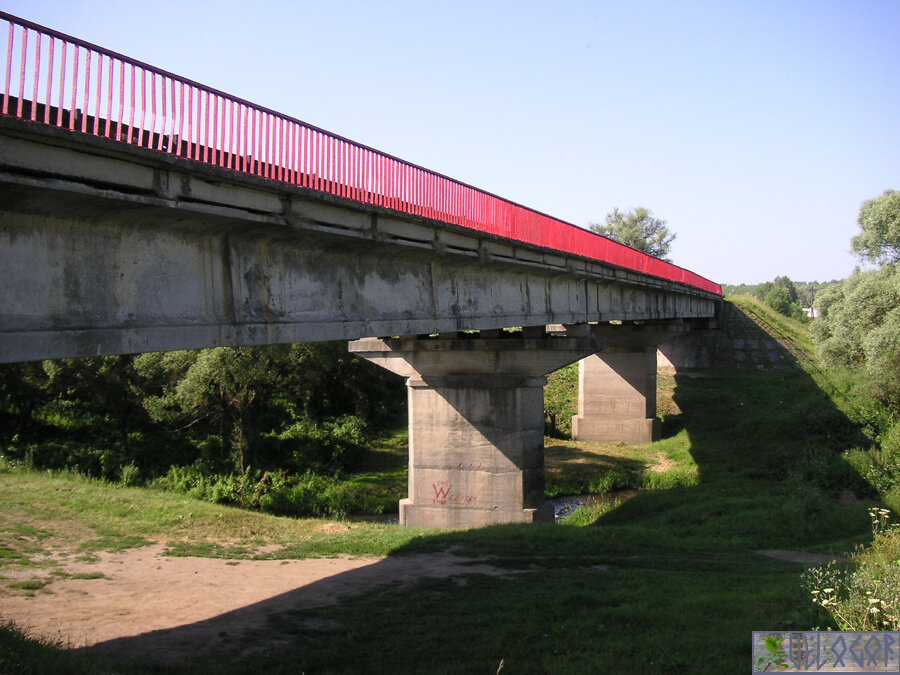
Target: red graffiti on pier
<point>443,495</point>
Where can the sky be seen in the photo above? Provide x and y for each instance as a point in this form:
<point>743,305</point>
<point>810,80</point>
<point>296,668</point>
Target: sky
<point>754,129</point>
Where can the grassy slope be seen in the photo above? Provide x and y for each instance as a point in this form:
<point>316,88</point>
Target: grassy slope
<point>682,590</point>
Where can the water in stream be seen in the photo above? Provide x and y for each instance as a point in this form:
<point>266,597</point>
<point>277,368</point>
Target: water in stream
<point>566,506</point>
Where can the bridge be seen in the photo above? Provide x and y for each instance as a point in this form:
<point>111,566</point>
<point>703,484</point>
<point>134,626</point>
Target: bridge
<point>141,211</point>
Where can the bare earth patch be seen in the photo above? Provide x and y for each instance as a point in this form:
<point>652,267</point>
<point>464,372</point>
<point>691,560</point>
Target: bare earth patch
<point>662,464</point>
<point>801,556</point>
<point>152,607</point>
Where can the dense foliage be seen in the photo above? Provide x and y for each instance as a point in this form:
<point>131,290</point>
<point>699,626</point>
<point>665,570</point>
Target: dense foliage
<point>859,326</point>
<point>226,417</point>
<point>879,224</point>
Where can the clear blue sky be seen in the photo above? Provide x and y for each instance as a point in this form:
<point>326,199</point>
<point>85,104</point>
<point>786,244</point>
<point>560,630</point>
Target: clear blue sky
<point>755,129</point>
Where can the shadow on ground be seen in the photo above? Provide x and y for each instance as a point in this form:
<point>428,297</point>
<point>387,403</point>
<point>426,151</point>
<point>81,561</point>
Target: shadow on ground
<point>668,582</point>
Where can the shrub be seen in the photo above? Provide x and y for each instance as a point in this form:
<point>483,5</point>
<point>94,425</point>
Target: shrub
<point>130,475</point>
<point>328,447</point>
<point>308,494</point>
<point>561,401</point>
<point>315,495</point>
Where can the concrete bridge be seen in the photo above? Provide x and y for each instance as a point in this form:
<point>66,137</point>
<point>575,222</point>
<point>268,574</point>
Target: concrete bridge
<point>140,211</point>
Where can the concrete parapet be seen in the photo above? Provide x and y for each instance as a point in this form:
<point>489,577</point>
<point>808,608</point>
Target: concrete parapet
<point>476,420</point>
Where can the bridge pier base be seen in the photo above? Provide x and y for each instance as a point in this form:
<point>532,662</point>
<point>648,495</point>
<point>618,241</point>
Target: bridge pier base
<point>476,424</point>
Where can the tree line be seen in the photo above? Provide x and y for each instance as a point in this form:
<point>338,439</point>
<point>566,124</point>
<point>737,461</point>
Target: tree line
<point>785,296</point>
<point>859,324</point>
<point>302,408</point>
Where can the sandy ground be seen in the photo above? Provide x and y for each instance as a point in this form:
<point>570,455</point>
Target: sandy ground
<point>149,606</point>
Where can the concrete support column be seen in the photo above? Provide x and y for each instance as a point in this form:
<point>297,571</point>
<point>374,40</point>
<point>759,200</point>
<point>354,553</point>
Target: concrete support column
<point>476,424</point>
<point>617,397</point>
<point>617,387</point>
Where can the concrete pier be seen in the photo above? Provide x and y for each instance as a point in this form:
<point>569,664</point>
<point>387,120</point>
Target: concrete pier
<point>476,423</point>
<point>617,388</point>
<point>617,397</point>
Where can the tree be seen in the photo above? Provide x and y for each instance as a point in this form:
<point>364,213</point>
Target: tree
<point>859,326</point>
<point>228,386</point>
<point>779,299</point>
<point>788,285</point>
<point>879,220</point>
<point>638,229</point>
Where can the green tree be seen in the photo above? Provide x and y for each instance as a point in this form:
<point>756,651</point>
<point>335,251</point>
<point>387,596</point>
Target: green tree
<point>879,220</point>
<point>22,391</point>
<point>639,229</point>
<point>788,285</point>
<point>859,326</point>
<point>107,387</point>
<point>327,381</point>
<point>227,387</point>
<point>779,299</point>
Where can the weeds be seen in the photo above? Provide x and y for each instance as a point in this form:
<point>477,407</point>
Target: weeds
<point>863,594</point>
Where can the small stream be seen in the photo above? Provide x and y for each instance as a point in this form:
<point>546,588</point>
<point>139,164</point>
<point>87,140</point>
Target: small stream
<point>566,506</point>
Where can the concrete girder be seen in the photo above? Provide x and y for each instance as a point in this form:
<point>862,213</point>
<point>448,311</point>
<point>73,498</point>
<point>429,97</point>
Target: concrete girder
<point>108,248</point>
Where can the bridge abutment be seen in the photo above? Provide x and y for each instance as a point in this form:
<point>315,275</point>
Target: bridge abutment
<point>476,424</point>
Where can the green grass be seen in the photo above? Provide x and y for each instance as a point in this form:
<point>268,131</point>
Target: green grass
<point>561,398</point>
<point>22,652</point>
<point>666,582</point>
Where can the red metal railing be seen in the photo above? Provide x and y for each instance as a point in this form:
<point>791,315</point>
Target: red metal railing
<point>54,79</point>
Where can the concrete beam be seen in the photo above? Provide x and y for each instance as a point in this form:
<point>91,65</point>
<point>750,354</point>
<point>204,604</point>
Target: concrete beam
<point>108,249</point>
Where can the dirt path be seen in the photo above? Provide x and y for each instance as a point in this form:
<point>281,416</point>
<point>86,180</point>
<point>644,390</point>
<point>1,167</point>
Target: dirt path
<point>148,606</point>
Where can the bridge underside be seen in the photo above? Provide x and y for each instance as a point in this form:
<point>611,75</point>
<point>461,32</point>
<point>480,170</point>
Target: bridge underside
<point>109,249</point>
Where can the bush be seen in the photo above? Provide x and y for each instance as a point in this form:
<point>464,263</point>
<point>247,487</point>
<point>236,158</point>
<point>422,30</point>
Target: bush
<point>308,494</point>
<point>329,447</point>
<point>315,495</point>
<point>890,440</point>
<point>877,468</point>
<point>561,401</point>
<point>130,475</point>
